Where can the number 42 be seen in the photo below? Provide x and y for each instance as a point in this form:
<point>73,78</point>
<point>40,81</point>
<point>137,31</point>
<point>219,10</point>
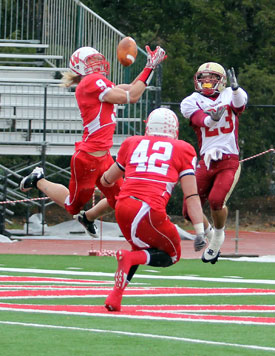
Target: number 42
<point>147,162</point>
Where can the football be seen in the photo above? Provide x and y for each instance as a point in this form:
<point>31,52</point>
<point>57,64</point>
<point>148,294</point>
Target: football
<point>127,51</point>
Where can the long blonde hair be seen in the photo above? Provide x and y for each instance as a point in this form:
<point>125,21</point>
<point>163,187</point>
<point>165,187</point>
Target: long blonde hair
<point>69,78</point>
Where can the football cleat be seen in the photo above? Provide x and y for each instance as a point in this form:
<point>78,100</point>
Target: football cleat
<point>31,180</point>
<point>89,226</point>
<point>124,265</point>
<point>210,256</point>
<point>212,252</point>
<point>113,301</point>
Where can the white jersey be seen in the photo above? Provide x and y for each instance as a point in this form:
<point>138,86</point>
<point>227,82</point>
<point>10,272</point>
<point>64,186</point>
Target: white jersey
<point>223,136</point>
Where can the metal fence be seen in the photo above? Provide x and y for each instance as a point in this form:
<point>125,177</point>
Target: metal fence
<point>65,25</point>
<point>21,20</point>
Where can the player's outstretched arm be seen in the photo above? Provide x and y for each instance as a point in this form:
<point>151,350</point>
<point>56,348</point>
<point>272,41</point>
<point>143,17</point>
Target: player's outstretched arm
<point>239,97</point>
<point>131,93</point>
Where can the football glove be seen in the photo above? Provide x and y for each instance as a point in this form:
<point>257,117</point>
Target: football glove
<point>199,242</point>
<point>232,79</point>
<point>216,115</point>
<point>154,58</point>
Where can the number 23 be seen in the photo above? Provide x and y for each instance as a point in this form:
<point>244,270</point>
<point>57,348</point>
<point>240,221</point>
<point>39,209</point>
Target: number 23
<point>210,132</point>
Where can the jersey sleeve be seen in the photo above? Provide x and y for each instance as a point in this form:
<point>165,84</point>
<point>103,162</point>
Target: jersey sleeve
<point>197,119</point>
<point>238,106</point>
<point>188,160</point>
<point>189,106</point>
<point>122,154</point>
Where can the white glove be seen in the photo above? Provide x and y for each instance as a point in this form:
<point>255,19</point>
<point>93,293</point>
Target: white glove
<point>154,58</point>
<point>232,79</point>
<point>216,115</point>
<point>199,242</point>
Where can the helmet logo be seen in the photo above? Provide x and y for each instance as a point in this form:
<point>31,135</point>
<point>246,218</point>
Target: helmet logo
<point>75,58</point>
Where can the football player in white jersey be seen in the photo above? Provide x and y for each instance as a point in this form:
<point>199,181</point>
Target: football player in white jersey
<point>213,111</point>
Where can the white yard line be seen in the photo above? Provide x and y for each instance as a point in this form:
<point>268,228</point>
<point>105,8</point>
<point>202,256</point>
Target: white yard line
<point>142,335</point>
<point>143,276</point>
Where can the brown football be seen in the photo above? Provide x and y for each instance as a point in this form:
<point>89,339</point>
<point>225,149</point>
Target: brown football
<point>127,51</point>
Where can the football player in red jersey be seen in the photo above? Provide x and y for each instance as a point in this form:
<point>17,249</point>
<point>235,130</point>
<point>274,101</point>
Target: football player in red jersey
<point>96,97</point>
<point>213,111</point>
<point>151,165</point>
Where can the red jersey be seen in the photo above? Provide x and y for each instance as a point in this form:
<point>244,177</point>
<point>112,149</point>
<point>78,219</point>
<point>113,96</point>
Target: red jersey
<point>153,165</point>
<point>98,117</point>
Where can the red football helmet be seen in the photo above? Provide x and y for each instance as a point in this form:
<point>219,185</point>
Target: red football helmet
<point>210,79</point>
<point>87,60</point>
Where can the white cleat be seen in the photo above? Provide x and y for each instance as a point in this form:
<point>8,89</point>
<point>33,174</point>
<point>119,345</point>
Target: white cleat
<point>212,252</point>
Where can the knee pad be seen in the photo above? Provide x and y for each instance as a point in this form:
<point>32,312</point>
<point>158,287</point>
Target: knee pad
<point>159,258</point>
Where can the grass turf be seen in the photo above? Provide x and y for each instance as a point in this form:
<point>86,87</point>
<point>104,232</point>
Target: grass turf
<point>66,334</point>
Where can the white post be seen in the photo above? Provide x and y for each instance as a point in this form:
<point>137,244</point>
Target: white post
<point>237,233</point>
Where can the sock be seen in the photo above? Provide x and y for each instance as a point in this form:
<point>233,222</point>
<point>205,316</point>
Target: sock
<point>131,273</point>
<point>85,220</point>
<point>219,232</point>
<point>209,232</point>
<point>138,257</point>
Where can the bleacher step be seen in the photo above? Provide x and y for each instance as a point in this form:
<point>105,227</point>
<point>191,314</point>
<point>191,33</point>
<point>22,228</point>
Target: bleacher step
<point>23,45</point>
<point>33,69</point>
<point>29,56</point>
<point>31,80</point>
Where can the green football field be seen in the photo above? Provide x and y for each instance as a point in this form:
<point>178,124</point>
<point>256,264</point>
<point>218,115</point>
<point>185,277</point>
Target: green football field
<point>53,305</point>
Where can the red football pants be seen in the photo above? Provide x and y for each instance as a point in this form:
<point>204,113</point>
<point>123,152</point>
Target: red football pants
<point>86,171</point>
<point>144,227</point>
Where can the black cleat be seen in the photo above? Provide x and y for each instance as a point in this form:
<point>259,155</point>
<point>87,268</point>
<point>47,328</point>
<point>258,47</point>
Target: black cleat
<point>31,180</point>
<point>89,226</point>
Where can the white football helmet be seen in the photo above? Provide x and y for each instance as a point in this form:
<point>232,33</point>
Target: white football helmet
<point>87,60</point>
<point>162,122</point>
<point>210,79</point>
